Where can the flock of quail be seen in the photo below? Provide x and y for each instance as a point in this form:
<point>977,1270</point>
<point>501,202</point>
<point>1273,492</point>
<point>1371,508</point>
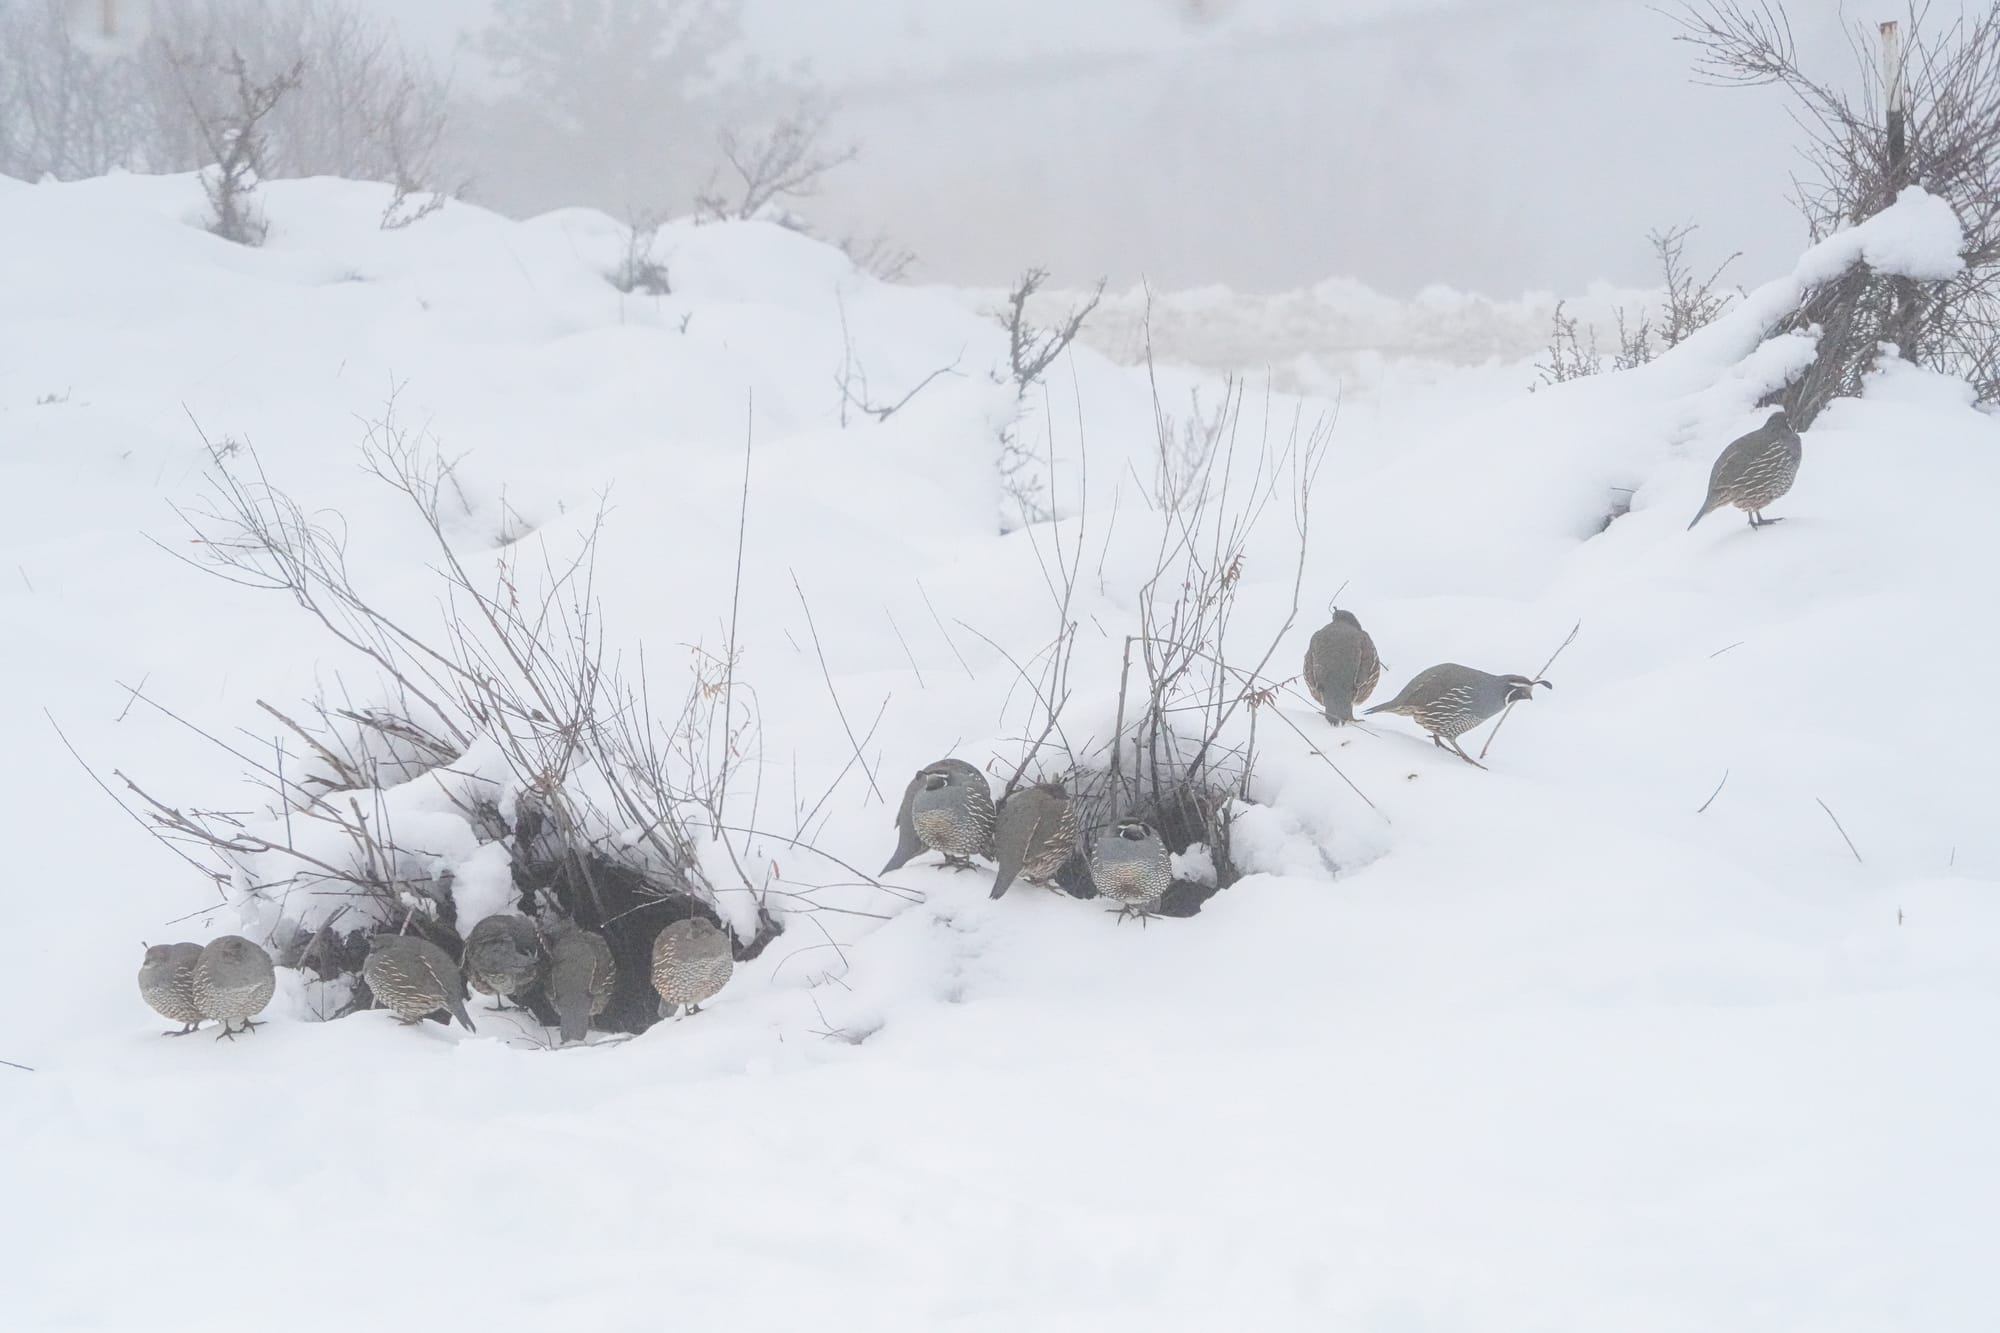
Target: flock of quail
<point>948,808</point>
<point>506,956</point>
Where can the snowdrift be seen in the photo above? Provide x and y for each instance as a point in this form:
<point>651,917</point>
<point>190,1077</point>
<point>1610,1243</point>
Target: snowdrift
<point>1672,1020</point>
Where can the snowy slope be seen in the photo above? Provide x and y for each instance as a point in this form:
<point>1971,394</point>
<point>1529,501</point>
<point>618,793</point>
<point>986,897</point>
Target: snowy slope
<point>1536,1048</point>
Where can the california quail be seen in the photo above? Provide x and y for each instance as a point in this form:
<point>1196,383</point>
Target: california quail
<point>1034,835</point>
<point>1754,470</point>
<point>503,956</point>
<point>166,981</point>
<point>947,807</point>
<point>233,981</point>
<point>691,961</point>
<point>1130,866</point>
<point>579,978</point>
<point>1341,667</point>
<point>1449,700</point>
<point>413,979</point>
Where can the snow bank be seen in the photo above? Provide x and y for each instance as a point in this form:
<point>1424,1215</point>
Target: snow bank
<point>1618,1034</point>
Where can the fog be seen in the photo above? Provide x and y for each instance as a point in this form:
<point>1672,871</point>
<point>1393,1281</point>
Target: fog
<point>1491,145</point>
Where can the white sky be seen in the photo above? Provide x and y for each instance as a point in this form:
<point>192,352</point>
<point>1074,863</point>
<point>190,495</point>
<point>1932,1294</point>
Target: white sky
<point>1493,145</point>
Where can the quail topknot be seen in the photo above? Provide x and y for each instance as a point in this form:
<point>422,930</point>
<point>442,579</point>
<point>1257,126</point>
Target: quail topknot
<point>1449,700</point>
<point>692,960</point>
<point>1034,835</point>
<point>1342,669</point>
<point>503,956</point>
<point>948,807</point>
<point>413,979</point>
<point>166,981</point>
<point>1130,866</point>
<point>580,976</point>
<point>233,981</point>
<point>1754,470</point>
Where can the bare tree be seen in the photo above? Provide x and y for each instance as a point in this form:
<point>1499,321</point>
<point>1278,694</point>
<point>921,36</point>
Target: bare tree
<point>63,112</point>
<point>1926,113</point>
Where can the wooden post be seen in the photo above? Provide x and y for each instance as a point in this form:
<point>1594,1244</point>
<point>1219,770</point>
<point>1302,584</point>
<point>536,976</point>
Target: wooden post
<point>1904,317</point>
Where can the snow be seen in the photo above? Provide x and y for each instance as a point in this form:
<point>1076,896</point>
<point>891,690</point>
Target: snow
<point>1536,1048</point>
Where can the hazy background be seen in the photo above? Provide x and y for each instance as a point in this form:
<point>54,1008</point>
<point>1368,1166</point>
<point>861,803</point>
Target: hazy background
<point>1492,145</point>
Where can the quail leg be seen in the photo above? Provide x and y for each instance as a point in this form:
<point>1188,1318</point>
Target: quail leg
<point>250,1025</point>
<point>1452,745</point>
<point>959,862</point>
<point>184,1031</point>
<point>226,1032</point>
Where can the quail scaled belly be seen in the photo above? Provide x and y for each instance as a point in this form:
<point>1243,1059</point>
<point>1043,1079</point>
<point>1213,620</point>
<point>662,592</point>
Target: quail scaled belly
<point>503,956</point>
<point>1341,668</point>
<point>580,977</point>
<point>692,960</point>
<point>1754,470</point>
<point>1449,700</point>
<point>166,982</point>
<point>948,807</point>
<point>1034,835</point>
<point>1131,867</point>
<point>413,979</point>
<point>233,981</point>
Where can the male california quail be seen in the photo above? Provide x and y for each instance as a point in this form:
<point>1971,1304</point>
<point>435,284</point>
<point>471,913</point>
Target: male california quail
<point>1449,700</point>
<point>166,981</point>
<point>691,961</point>
<point>1130,866</point>
<point>1754,470</point>
<point>413,979</point>
<point>1034,835</point>
<point>947,807</point>
<point>503,956</point>
<point>233,981</point>
<point>579,980</point>
<point>1341,667</point>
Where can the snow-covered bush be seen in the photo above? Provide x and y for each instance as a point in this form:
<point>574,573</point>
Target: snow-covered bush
<point>505,761</point>
<point>1923,113</point>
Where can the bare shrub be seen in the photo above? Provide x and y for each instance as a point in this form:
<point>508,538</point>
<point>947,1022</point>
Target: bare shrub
<point>1183,746</point>
<point>1031,350</point>
<point>767,169</point>
<point>1926,113</point>
<point>1690,302</point>
<point>510,711</point>
<point>1572,352</point>
<point>637,270</point>
<point>234,137</point>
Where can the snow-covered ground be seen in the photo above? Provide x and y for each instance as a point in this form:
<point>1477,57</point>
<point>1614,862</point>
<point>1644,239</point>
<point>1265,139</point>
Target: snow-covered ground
<point>1536,1048</point>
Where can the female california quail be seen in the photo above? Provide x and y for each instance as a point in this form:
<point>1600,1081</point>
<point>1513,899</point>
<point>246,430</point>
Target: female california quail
<point>1449,700</point>
<point>233,981</point>
<point>413,979</point>
<point>1341,667</point>
<point>691,961</point>
<point>1130,866</point>
<point>947,807</point>
<point>580,978</point>
<point>503,956</point>
<point>1034,835</point>
<point>1754,470</point>
<point>166,981</point>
